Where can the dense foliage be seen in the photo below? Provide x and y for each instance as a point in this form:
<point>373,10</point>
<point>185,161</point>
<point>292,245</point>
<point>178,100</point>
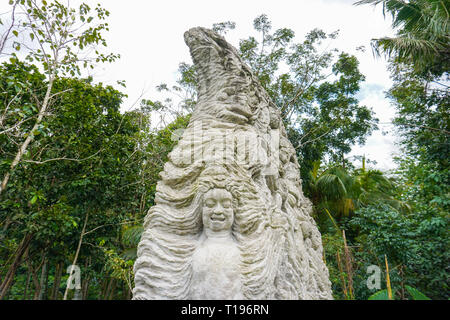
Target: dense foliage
<point>78,175</point>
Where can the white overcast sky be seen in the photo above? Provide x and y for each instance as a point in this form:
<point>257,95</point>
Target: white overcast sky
<point>149,37</point>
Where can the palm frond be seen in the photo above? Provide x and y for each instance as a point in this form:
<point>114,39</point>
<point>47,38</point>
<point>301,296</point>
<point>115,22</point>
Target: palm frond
<point>374,2</point>
<point>347,206</point>
<point>315,169</point>
<point>132,235</point>
<point>381,181</point>
<point>406,46</point>
<point>423,37</point>
<point>391,6</point>
<point>331,186</point>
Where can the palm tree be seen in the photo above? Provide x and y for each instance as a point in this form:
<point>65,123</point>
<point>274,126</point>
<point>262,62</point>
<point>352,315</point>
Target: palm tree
<point>131,235</point>
<point>331,189</point>
<point>372,186</point>
<point>337,191</point>
<point>423,35</point>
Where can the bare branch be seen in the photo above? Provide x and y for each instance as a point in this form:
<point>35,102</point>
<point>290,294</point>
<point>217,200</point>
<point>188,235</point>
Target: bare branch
<point>63,158</point>
<point>7,107</point>
<point>16,125</point>
<point>4,38</point>
<point>111,224</point>
<point>299,145</point>
<point>60,92</point>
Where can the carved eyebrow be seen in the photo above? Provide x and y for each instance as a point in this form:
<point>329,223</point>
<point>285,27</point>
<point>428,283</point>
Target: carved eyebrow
<point>227,203</point>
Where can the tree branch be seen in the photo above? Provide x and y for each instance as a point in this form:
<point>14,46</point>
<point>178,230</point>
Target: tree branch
<point>63,158</point>
<point>6,34</point>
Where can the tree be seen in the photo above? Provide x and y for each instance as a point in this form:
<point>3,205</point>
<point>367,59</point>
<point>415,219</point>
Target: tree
<point>89,175</point>
<point>85,165</point>
<point>322,117</point>
<point>318,105</point>
<point>339,192</point>
<point>419,67</point>
<point>415,244</point>
<point>422,117</point>
<point>51,34</point>
<point>423,34</point>
<point>423,122</point>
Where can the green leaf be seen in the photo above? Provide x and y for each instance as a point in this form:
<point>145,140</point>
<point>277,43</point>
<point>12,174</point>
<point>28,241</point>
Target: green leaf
<point>34,199</point>
<point>380,295</point>
<point>15,33</point>
<point>416,294</point>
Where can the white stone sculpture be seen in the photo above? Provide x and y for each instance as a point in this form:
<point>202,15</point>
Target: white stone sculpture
<point>230,220</point>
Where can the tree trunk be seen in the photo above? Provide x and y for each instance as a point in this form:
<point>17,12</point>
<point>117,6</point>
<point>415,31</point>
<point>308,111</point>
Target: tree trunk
<point>124,291</point>
<point>44,280</point>
<point>39,282</point>
<point>35,279</point>
<point>103,290</point>
<point>57,281</point>
<point>7,282</point>
<point>86,280</point>
<point>128,293</point>
<point>85,289</point>
<point>113,289</point>
<point>348,266</point>
<point>107,289</point>
<point>78,250</point>
<point>27,285</point>
<point>29,138</point>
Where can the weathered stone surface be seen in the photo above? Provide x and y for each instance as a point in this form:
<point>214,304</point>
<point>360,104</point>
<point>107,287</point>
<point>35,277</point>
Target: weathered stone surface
<point>230,220</point>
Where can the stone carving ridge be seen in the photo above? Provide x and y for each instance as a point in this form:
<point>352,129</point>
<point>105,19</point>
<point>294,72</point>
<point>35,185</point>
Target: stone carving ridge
<point>230,220</point>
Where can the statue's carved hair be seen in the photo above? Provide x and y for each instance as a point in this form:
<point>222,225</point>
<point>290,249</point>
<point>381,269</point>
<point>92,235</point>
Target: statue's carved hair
<point>173,229</point>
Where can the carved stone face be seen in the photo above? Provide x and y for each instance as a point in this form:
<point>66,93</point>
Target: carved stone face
<point>217,210</point>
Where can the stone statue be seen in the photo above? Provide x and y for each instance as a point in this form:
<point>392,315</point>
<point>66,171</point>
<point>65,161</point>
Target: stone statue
<point>216,261</point>
<point>230,220</point>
